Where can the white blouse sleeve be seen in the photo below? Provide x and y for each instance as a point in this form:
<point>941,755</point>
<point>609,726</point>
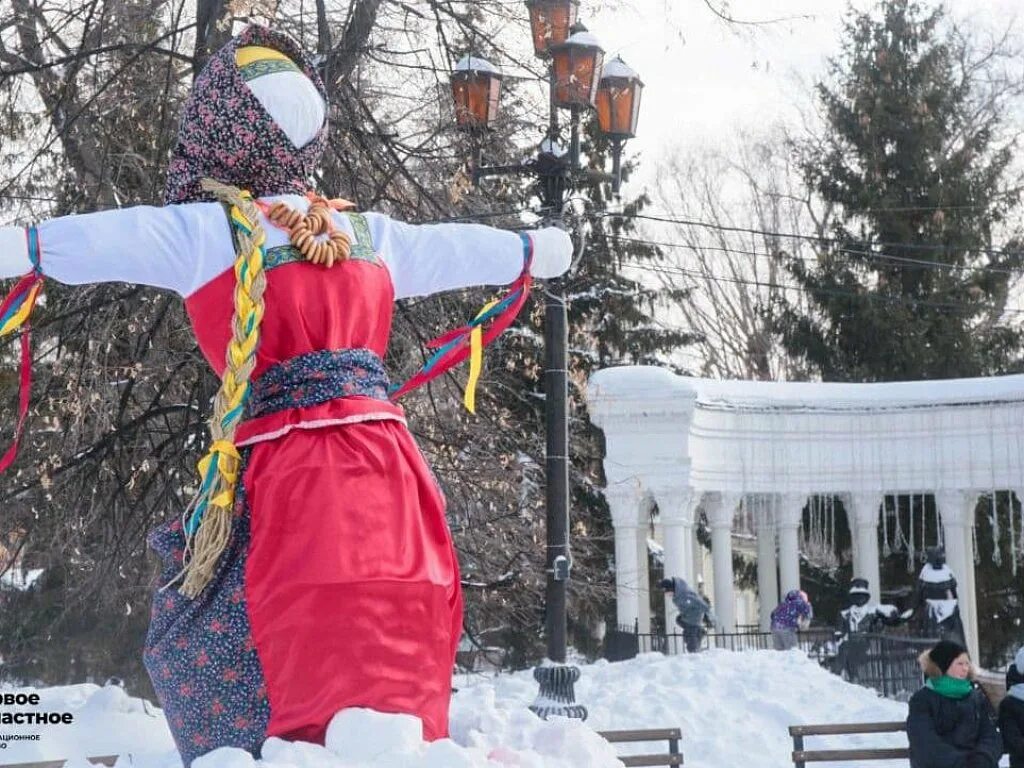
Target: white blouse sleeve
<point>177,247</point>
<point>431,258</point>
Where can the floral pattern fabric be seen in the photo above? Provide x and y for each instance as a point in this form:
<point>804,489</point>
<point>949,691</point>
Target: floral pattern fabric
<point>200,653</point>
<point>227,135</point>
<point>316,377</point>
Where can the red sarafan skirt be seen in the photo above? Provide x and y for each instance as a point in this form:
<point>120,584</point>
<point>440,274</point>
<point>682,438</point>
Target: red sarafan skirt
<point>352,580</point>
<point>340,589</point>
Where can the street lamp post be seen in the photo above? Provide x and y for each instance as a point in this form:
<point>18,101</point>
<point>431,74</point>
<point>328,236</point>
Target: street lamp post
<point>574,69</point>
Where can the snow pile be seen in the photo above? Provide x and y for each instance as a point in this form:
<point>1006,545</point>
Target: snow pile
<point>106,722</point>
<point>733,709</point>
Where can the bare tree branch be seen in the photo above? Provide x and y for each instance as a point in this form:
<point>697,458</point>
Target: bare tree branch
<point>722,12</point>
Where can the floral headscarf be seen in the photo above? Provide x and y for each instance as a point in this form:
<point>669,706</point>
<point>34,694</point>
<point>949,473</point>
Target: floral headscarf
<point>227,135</point>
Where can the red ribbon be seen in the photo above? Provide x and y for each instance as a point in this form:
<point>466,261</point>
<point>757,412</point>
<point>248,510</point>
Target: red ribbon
<point>517,292</point>
<point>460,353</point>
<point>23,287</point>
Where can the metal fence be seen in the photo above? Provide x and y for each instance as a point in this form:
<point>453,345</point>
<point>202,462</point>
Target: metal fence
<point>626,642</point>
<point>886,663</point>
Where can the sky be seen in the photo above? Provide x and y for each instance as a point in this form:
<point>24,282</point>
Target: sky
<point>706,79</point>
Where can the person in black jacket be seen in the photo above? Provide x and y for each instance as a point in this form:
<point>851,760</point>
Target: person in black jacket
<point>1011,712</point>
<point>951,724</point>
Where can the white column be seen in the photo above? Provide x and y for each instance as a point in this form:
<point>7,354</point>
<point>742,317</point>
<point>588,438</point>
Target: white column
<point>643,576</point>
<point>767,566</point>
<point>862,512</point>
<point>627,597</point>
<point>624,503</point>
<point>957,511</point>
<point>721,508</point>
<point>789,515</point>
<point>677,540</point>
<point>676,506</point>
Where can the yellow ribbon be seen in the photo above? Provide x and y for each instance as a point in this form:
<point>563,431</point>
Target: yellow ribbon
<point>476,359</point>
<point>227,467</point>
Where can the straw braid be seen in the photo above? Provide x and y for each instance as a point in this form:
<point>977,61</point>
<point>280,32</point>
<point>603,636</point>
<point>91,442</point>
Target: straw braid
<point>209,527</point>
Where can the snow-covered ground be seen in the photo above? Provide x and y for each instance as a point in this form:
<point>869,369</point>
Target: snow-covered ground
<point>733,709</point>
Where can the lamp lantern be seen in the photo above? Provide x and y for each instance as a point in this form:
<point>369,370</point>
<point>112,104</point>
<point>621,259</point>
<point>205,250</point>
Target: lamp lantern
<point>577,68</point>
<point>551,22</point>
<point>618,100</point>
<point>476,88</point>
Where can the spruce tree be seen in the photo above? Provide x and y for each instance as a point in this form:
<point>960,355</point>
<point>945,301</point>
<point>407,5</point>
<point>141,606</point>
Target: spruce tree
<point>911,278</point>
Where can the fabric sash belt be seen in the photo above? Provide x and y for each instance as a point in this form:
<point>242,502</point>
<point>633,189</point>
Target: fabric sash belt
<point>316,377</point>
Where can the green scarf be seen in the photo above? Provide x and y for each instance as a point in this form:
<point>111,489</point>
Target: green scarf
<point>950,687</point>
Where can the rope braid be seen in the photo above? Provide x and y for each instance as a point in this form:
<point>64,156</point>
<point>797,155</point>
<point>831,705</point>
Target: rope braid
<point>208,529</point>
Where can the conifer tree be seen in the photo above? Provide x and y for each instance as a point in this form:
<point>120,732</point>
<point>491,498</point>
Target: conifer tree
<point>911,277</point>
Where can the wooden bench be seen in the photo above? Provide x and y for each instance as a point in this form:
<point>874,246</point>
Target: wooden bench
<point>107,760</point>
<point>802,756</point>
<point>671,735</point>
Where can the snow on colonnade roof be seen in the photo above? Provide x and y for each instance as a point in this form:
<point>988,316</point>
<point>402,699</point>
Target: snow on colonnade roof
<point>632,385</point>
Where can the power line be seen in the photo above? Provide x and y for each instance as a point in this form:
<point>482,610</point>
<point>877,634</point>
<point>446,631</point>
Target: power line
<point>470,218</point>
<point>908,208</point>
<point>798,236</point>
<point>903,300</point>
<point>868,256</point>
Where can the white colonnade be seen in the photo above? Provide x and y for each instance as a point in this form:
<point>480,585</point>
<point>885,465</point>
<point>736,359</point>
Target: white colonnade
<point>698,448</point>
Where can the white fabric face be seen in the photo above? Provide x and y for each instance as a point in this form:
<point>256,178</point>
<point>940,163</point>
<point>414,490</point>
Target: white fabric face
<point>293,102</point>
